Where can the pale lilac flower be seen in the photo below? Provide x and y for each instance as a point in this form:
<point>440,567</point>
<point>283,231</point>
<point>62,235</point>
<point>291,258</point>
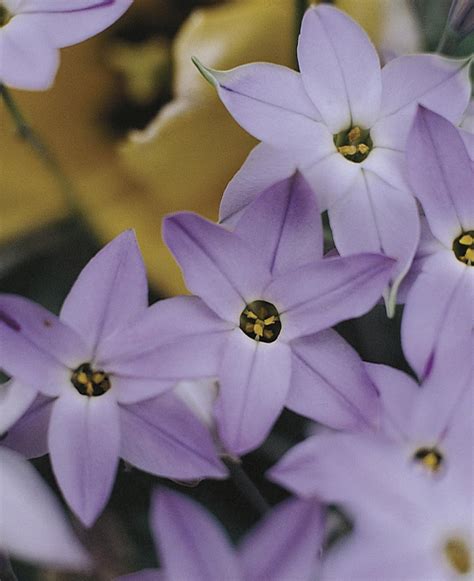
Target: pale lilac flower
<point>276,299</point>
<point>409,488</point>
<point>442,177</point>
<point>32,31</point>
<point>32,524</point>
<point>193,546</point>
<point>344,122</point>
<point>96,363</point>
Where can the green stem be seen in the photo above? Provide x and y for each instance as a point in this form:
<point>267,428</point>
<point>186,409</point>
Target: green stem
<point>246,486</point>
<point>6,571</point>
<point>49,160</point>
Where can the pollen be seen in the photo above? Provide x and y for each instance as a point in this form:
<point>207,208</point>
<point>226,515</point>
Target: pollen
<point>429,458</point>
<point>463,248</point>
<point>260,321</point>
<point>458,555</point>
<point>354,144</point>
<point>89,381</point>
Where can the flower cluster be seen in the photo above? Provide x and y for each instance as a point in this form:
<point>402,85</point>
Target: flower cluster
<point>112,377</point>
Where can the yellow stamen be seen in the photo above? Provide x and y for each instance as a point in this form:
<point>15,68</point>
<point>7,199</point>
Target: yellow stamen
<point>466,240</point>
<point>354,134</point>
<point>458,555</point>
<point>362,148</point>
<point>347,150</point>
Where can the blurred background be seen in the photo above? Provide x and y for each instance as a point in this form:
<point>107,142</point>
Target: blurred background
<point>139,134</point>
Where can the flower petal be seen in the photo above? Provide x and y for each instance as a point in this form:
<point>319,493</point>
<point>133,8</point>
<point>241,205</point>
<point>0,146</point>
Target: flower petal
<point>29,436</point>
<point>329,383</point>
<point>110,291</point>
<point>286,544</point>
<point>27,506</point>
<point>254,382</point>
<point>218,266</point>
<point>270,102</point>
<point>163,437</point>
<point>68,23</point>
<point>15,399</point>
<point>28,61</point>
<point>284,224</point>
<point>437,83</point>
<point>372,218</point>
<point>319,295</point>
<point>192,543</point>
<point>36,347</point>
<point>264,166</point>
<point>441,175</point>
<point>84,446</point>
<point>340,69</point>
<point>442,291</point>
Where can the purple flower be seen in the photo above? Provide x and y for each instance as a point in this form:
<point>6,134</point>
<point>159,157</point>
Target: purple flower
<point>15,399</point>
<point>408,488</point>
<point>193,546</point>
<point>105,355</point>
<point>343,122</point>
<point>276,299</point>
<point>442,177</point>
<point>32,31</point>
<point>32,524</point>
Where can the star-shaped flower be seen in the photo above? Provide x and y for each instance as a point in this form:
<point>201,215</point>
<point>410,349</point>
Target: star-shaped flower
<point>192,544</point>
<point>276,298</point>
<point>32,31</point>
<point>27,506</point>
<point>94,366</point>
<point>343,122</point>
<point>390,482</point>
<point>442,176</point>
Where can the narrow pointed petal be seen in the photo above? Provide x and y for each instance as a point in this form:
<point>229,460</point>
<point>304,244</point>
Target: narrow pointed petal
<point>191,542</point>
<point>437,83</point>
<point>329,383</point>
<point>110,291</point>
<point>372,218</point>
<point>441,175</point>
<point>218,266</point>
<point>28,65</point>
<point>264,166</point>
<point>331,467</point>
<point>27,506</point>
<point>158,327</point>
<point>163,437</point>
<point>340,69</point>
<point>72,22</point>
<point>15,399</point>
<point>442,291</point>
<point>254,383</point>
<point>317,296</point>
<point>270,102</point>
<point>36,347</point>
<point>84,446</point>
<point>284,224</point>
<point>286,544</point>
<point>29,436</point>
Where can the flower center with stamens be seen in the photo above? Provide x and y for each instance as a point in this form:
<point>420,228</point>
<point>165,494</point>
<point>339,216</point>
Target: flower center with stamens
<point>458,555</point>
<point>90,382</point>
<point>463,247</point>
<point>260,321</point>
<point>430,458</point>
<point>355,144</point>
<point>5,16</point>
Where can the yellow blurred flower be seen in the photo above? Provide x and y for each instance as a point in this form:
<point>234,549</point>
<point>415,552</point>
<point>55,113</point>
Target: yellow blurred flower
<point>182,160</point>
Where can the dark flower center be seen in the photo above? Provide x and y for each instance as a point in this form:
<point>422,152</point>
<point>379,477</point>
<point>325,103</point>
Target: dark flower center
<point>260,321</point>
<point>90,382</point>
<point>5,16</point>
<point>463,247</point>
<point>429,457</point>
<point>458,555</point>
<point>354,144</point>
